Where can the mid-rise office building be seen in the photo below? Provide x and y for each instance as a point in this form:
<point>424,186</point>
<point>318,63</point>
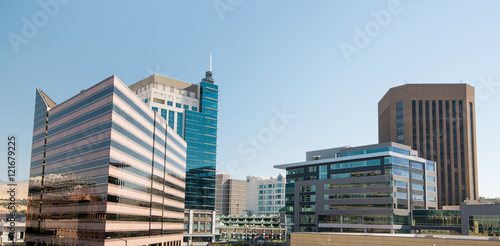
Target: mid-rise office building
<point>265,195</point>
<point>191,110</point>
<point>230,195</point>
<point>437,120</point>
<point>105,170</point>
<point>369,188</point>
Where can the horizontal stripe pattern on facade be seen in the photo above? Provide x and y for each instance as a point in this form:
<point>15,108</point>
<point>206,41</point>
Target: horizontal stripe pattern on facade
<point>107,167</point>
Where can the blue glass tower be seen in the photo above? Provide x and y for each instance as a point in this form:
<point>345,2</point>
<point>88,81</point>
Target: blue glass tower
<point>201,136</point>
<point>191,111</point>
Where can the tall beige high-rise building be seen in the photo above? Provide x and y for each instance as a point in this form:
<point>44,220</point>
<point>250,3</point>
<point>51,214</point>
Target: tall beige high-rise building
<point>230,194</point>
<point>439,121</point>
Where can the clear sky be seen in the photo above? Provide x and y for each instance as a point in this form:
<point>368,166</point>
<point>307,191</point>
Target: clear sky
<point>294,76</point>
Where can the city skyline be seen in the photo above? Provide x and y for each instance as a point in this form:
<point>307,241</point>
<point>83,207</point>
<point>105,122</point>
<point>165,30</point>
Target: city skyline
<point>282,78</point>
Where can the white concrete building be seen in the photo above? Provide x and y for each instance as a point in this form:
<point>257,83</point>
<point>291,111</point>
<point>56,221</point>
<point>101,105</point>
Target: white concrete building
<point>16,238</point>
<point>169,97</point>
<point>265,195</point>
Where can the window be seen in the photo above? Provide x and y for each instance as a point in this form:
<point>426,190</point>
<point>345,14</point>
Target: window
<point>355,174</point>
<point>308,198</point>
<point>317,157</point>
<point>417,187</point>
<point>431,188</point>
<point>418,197</point>
<point>177,105</point>
<point>402,195</point>
<point>357,195</point>
<point>146,100</point>
<point>308,188</point>
<point>307,208</point>
<point>261,186</point>
<point>431,198</point>
<point>417,165</point>
<point>155,109</point>
<point>171,119</point>
<point>429,165</point>
<point>355,164</point>
<point>179,124</point>
<point>295,171</point>
<point>399,122</point>
<point>164,113</point>
<point>323,172</point>
<point>400,184</point>
<point>186,106</point>
<point>311,169</point>
<point>397,161</point>
<point>307,219</point>
<point>430,178</point>
<point>194,108</point>
<point>356,185</point>
<point>397,171</point>
<point>170,103</point>
<point>417,176</point>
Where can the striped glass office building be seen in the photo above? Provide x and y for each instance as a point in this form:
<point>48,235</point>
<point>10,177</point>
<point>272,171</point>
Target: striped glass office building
<point>105,170</point>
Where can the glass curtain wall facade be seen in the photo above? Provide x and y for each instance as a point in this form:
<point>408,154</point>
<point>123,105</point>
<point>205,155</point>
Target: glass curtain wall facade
<point>201,138</point>
<point>104,169</point>
<point>362,189</point>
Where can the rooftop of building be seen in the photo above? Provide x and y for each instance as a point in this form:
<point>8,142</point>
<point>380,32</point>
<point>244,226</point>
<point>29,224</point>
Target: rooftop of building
<point>160,79</point>
<point>259,178</point>
<point>488,201</point>
<point>346,153</point>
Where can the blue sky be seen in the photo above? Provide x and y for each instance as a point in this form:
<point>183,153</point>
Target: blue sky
<point>268,57</point>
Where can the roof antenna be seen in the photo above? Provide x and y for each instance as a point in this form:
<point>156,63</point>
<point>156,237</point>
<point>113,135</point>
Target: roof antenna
<point>210,62</point>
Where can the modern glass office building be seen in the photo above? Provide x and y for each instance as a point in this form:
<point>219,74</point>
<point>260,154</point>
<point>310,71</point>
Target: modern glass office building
<point>105,170</point>
<point>361,189</point>
<point>191,110</point>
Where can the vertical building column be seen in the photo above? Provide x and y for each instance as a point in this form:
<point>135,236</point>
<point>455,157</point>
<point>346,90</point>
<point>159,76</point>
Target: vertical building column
<point>214,214</point>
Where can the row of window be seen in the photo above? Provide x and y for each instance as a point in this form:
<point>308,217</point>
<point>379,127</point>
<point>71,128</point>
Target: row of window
<point>278,185</point>
<point>262,209</point>
<point>358,206</point>
<point>276,191</point>
<point>177,105</point>
<point>270,197</point>
<point>370,151</point>
<point>387,160</point>
<point>365,219</point>
<point>278,202</point>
